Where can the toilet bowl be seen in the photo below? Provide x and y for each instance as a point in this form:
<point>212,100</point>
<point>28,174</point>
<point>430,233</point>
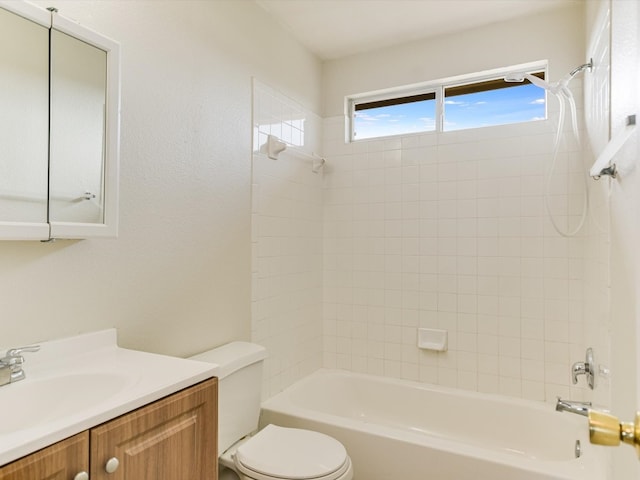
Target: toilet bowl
<point>273,453</point>
<point>276,453</point>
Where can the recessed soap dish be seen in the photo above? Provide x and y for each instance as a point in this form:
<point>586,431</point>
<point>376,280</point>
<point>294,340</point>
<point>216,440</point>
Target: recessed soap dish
<point>432,339</point>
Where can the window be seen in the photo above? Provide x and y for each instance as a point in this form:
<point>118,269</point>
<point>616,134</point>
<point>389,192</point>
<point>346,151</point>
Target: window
<point>492,102</point>
<point>395,116</point>
<point>449,105</point>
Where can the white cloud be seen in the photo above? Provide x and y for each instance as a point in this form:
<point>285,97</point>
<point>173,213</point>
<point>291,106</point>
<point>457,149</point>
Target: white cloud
<point>538,101</point>
<point>366,118</point>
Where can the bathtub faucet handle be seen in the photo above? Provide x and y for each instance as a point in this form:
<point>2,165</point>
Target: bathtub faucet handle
<point>586,368</point>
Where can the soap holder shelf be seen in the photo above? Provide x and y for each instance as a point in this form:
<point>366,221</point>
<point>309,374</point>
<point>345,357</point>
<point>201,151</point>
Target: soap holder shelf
<point>432,339</point>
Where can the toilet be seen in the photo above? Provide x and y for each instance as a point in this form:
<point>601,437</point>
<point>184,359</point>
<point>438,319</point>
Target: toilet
<point>273,453</point>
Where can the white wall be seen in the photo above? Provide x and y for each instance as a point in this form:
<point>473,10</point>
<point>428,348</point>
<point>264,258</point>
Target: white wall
<point>178,278</point>
<point>449,230</point>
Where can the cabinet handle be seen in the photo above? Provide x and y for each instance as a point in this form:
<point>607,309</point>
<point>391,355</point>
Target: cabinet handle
<point>112,465</point>
<point>81,476</point>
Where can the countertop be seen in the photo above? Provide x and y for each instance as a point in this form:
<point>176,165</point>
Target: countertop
<point>77,383</point>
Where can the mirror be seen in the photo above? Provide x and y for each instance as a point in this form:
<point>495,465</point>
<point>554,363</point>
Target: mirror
<point>59,127</point>
<point>78,92</point>
<point>24,118</point>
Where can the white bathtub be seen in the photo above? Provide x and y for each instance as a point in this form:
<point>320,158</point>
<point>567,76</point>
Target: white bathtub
<point>400,430</point>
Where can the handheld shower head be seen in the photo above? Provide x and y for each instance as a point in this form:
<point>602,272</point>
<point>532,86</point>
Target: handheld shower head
<point>514,77</point>
<point>538,82</point>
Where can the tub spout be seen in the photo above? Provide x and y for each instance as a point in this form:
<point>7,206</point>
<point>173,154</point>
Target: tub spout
<point>579,408</point>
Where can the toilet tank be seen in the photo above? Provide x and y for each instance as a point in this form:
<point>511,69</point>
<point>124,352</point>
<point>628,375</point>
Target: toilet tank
<point>239,389</point>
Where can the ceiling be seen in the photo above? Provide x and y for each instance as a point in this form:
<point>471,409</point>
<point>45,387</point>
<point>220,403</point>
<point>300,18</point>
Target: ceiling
<point>338,28</point>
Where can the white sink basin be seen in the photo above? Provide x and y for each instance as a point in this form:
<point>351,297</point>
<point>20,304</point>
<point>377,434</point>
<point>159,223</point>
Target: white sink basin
<point>74,384</point>
<point>32,402</point>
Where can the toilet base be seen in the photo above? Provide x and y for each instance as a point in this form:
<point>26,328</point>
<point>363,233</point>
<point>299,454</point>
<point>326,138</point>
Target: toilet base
<point>225,473</point>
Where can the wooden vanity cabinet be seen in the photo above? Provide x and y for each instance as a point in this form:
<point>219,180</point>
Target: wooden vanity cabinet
<point>174,438</point>
<point>61,461</point>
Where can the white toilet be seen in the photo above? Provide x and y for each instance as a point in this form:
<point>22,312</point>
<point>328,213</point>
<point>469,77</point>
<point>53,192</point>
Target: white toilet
<point>273,453</point>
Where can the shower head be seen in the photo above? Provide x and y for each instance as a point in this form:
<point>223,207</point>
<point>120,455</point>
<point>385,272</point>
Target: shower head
<point>538,82</point>
<point>514,77</point>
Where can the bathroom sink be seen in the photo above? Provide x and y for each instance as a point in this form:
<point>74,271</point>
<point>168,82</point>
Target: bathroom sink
<point>76,383</point>
<point>32,402</point>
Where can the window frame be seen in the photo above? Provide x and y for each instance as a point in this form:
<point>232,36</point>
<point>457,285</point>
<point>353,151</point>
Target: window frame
<point>439,88</point>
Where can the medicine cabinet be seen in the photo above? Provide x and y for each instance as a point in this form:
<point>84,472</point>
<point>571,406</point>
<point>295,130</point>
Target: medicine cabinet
<point>59,127</point>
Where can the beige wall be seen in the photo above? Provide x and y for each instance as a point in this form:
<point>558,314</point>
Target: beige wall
<point>178,278</point>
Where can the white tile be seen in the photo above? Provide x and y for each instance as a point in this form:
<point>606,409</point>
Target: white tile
<point>450,236</point>
<point>510,386</point>
<point>488,383</point>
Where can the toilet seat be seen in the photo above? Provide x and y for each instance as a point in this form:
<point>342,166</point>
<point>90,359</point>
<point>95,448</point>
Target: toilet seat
<point>292,454</point>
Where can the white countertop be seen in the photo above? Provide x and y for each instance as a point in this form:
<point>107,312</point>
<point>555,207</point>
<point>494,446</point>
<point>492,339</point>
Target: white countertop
<point>80,382</point>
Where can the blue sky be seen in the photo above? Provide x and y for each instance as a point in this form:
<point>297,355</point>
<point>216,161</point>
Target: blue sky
<point>495,107</point>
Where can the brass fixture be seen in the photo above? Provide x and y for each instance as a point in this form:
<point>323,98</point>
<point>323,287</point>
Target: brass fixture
<point>606,429</point>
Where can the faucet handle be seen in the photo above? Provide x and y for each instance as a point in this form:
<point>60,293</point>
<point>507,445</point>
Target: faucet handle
<point>586,368</point>
<point>578,368</point>
<point>17,352</point>
<point>13,361</point>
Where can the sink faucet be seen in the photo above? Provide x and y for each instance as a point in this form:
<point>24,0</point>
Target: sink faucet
<point>579,408</point>
<point>11,364</point>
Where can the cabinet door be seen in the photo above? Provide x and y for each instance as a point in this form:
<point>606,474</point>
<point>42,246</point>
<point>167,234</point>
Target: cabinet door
<point>61,461</point>
<point>172,439</point>
<point>24,121</point>
<point>84,133</point>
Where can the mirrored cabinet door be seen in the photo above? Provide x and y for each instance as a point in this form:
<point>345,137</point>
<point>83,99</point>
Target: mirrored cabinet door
<point>84,142</point>
<point>78,94</point>
<point>24,123</point>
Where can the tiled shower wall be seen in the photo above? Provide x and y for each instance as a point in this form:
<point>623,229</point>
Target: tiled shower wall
<point>449,231</point>
<point>286,240</point>
<point>443,231</point>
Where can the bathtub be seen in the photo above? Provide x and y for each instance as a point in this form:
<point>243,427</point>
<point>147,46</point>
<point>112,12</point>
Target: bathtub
<point>401,430</point>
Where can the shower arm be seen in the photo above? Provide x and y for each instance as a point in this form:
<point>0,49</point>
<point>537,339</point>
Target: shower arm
<point>582,68</point>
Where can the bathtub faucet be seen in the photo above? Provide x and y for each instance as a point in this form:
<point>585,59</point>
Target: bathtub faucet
<point>579,408</point>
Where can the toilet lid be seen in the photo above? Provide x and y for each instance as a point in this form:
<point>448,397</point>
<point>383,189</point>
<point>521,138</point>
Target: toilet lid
<point>291,453</point>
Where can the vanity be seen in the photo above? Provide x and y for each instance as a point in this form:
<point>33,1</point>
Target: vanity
<point>59,127</point>
<point>89,409</point>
